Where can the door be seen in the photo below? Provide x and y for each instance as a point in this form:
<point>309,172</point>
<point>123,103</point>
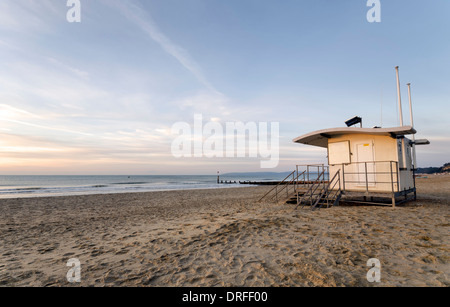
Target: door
<point>366,165</point>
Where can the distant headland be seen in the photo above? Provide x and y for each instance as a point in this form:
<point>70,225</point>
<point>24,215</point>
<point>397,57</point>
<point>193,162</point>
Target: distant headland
<point>432,170</point>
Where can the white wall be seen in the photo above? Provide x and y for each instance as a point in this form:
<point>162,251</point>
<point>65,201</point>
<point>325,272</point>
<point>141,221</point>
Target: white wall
<point>384,149</point>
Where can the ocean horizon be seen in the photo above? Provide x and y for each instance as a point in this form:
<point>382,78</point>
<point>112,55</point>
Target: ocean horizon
<point>29,186</point>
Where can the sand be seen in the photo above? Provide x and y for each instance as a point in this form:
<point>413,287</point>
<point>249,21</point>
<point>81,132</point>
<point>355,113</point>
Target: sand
<point>223,238</point>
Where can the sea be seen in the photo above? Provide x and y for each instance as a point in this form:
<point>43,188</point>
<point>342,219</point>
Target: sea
<point>49,186</point>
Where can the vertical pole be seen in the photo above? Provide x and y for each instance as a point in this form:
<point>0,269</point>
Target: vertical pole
<point>367,179</point>
<point>398,177</point>
<point>400,111</point>
<point>296,191</point>
<point>392,184</point>
<point>323,177</point>
<point>287,190</point>
<point>295,180</point>
<point>318,172</point>
<point>307,174</point>
<point>412,124</point>
<point>343,177</point>
<point>392,178</point>
<point>399,97</point>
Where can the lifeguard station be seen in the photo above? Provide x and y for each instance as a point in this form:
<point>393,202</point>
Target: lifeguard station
<point>365,165</point>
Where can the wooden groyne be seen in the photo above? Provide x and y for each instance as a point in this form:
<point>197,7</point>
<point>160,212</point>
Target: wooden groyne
<point>266,182</point>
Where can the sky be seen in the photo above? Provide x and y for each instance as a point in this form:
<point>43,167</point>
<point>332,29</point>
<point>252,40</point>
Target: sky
<point>101,96</point>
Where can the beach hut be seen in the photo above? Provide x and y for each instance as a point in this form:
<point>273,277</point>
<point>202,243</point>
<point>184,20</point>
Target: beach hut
<point>374,162</point>
<point>371,162</point>
<point>370,165</point>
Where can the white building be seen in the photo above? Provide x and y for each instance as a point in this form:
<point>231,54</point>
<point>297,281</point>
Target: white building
<point>373,161</point>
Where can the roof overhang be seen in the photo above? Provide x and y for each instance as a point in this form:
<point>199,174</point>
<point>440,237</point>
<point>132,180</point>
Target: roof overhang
<point>320,138</point>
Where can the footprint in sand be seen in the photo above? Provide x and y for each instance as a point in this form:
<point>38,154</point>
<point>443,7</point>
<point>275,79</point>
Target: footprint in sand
<point>122,252</point>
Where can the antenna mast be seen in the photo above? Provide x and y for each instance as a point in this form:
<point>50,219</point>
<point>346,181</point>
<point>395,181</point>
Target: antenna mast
<point>399,98</point>
<point>412,124</point>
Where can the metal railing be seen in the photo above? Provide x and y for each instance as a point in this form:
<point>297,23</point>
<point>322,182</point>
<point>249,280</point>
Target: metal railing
<point>286,187</point>
<point>312,172</point>
<point>303,176</point>
<point>369,175</point>
<point>311,194</point>
<point>330,194</point>
<point>311,184</point>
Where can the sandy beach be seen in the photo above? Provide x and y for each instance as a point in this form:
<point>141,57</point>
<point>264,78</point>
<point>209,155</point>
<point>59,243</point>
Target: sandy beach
<point>224,238</point>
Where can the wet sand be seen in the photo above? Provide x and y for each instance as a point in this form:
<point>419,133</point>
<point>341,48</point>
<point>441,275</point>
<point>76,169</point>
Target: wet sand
<point>223,238</point>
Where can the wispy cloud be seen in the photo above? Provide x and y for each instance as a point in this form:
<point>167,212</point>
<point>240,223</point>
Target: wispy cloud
<point>73,70</point>
<point>143,20</point>
<point>12,115</point>
<point>45,127</point>
<point>7,111</point>
<point>27,16</point>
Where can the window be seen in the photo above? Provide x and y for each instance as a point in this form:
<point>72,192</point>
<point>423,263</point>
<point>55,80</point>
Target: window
<point>339,153</point>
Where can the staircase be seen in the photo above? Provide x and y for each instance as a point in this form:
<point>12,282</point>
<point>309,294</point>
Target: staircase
<point>286,189</point>
<point>321,193</point>
<point>307,189</point>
